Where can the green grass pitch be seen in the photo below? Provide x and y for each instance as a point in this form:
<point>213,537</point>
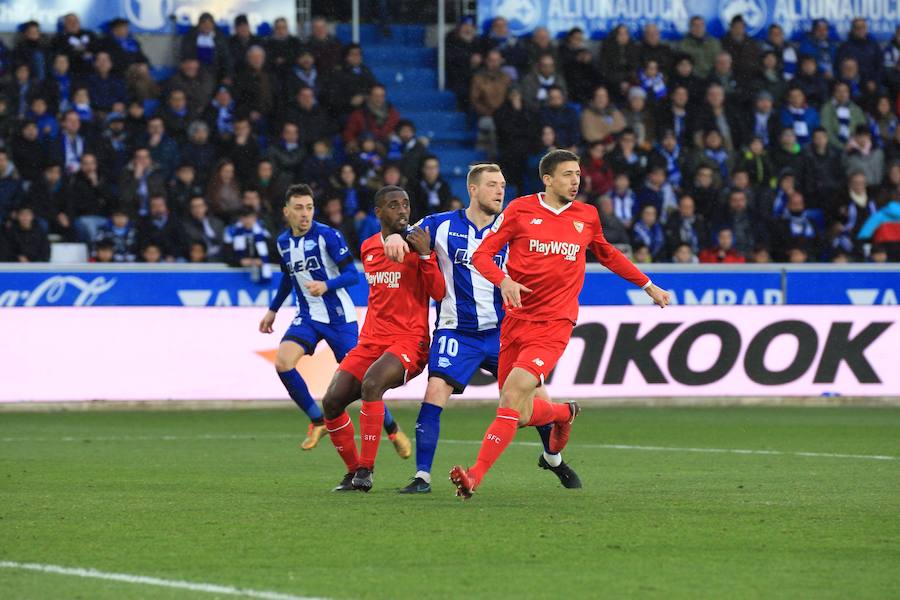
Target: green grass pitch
<point>227,498</point>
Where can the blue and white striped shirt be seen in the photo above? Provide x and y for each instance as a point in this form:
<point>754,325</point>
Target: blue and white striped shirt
<point>321,254</point>
<point>472,302</point>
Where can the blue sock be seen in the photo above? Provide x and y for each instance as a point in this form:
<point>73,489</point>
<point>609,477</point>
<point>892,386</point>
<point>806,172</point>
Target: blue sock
<point>390,427</point>
<point>428,429</point>
<point>544,431</point>
<point>299,393</point>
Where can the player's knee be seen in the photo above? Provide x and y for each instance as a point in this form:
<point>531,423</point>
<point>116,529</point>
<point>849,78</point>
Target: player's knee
<point>372,389</point>
<point>331,407</point>
<point>437,395</point>
<point>283,363</point>
<point>512,398</point>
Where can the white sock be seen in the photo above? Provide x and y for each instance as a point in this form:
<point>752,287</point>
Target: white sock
<point>424,475</point>
<point>554,460</point>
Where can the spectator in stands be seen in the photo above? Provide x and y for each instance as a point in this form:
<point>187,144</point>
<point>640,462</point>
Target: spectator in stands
<point>627,158</point>
<point>514,52</point>
<point>47,197</point>
<point>769,78</point>
<point>653,48</point>
<point>785,52</point>
<point>219,115</point>
<point>748,230</point>
<point>287,154</point>
<point>311,118</point>
<point>755,160</point>
<point>89,200</point>
<point>114,144</point>
<point>31,50</point>
<point>24,241</point>
<point>652,82</point>
<point>102,251</point>
<point>490,86</point>
<point>639,118</point>
<point>140,180</point>
<point>743,50</point>
<point>104,87</point>
<point>596,173</point>
<point>176,115</point>
<point>350,83</point>
<point>254,89</point>
<point>705,191</point>
<point>796,228</point>
<point>197,85</point>
<point>658,193</point>
<point>672,114</point>
<point>201,227</point>
<point>668,155</point>
<point>119,235</point>
<point>135,120</point>
<point>463,58</point>
<point>163,149</point>
<point>223,192</point>
<point>883,121</point>
<point>601,120</point>
<point>723,252</point>
<point>648,232</point>
<point>27,152</point>
<point>740,180</point>
<point>318,167</point>
<point>242,149</point>
<point>140,83</point>
<point>209,47</point>
<point>822,168</point>
<point>540,44</point>
<point>11,190</point>
<point>376,117</point>
<point>723,74</point>
<point>407,149</point>
<point>536,85</point>
<point>572,45</point>
<point>281,47</point>
<point>57,87</point>
<point>683,75</point>
<point>818,44</point>
<point>582,77</point>
<point>240,41</point>
<point>890,188</point>
<point>787,156</point>
<point>270,184</point>
<point>763,122</point>
<point>683,254</point>
<point>75,43</point>
<point>518,129</point>
<point>122,47</point>
<point>247,244</point>
<point>303,74</point>
<point>841,116</point>
<point>618,60</point>
<point>19,90</point>
<point>847,211</point>
<point>686,227</point>
<point>614,230</point>
<point>151,253</point>
<point>325,47</point>
<point>162,229</point>
<point>429,193</point>
<point>623,200</point>
<point>862,155</point>
<point>183,187</point>
<point>332,214</point>
<point>716,155</point>
<point>717,114</point>
<point>199,152</point>
<point>811,81</point>
<point>702,48</point>
<point>799,116</point>
<point>72,144</point>
<point>81,104</point>
<point>787,184</point>
<point>865,51</point>
<point>562,118</point>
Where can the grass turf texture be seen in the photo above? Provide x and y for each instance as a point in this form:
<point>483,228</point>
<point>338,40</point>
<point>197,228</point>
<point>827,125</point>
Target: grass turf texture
<point>229,499</point>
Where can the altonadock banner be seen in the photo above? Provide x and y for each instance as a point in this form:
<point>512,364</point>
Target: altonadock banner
<point>69,354</point>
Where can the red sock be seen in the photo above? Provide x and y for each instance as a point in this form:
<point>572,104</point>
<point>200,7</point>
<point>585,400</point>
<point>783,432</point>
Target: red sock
<point>545,412</point>
<point>342,434</point>
<point>371,418</point>
<point>496,439</point>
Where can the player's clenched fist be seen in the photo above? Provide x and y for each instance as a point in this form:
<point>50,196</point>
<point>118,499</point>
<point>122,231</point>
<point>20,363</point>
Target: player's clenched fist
<point>511,292</point>
<point>316,288</point>
<point>660,296</point>
<point>420,241</point>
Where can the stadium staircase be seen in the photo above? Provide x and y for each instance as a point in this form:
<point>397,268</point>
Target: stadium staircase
<point>408,69</point>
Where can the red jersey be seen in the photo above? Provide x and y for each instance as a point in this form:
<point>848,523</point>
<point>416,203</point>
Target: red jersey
<point>399,293</point>
<point>547,254</point>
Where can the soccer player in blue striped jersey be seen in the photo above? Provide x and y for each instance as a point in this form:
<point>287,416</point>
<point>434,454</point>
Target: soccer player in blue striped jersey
<point>467,332</point>
<point>317,265</point>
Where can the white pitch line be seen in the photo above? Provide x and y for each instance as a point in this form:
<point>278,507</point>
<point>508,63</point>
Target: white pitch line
<point>248,436</point>
<point>211,588</point>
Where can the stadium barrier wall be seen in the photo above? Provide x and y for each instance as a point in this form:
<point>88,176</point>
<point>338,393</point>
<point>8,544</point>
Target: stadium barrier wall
<point>217,285</point>
<point>67,354</point>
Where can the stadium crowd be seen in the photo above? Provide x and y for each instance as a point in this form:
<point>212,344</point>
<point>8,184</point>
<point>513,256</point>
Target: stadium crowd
<point>717,150</point>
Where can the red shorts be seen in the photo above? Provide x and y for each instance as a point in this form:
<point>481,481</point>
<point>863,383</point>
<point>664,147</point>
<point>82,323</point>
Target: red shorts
<point>412,352</point>
<point>535,346</point>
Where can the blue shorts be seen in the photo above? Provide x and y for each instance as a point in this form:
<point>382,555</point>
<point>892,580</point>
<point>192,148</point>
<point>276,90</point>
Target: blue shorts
<point>457,355</point>
<point>307,333</point>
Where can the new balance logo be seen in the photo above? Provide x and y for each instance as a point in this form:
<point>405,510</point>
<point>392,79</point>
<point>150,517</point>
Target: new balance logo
<point>369,258</point>
<point>538,362</point>
<point>537,221</point>
<point>405,357</point>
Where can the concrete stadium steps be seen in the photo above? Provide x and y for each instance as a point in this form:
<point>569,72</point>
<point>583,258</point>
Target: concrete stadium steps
<point>409,35</point>
<point>436,120</point>
<point>406,77</point>
<point>413,99</point>
<point>400,55</point>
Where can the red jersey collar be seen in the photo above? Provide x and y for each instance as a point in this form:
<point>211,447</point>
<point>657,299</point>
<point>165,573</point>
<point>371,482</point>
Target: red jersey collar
<point>555,211</point>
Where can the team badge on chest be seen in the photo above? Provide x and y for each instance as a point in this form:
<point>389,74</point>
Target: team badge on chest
<point>579,226</point>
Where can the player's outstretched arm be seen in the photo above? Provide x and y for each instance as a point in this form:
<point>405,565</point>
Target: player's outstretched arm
<point>284,290</point>
<point>395,247</point>
<point>420,241</point>
<point>501,232</point>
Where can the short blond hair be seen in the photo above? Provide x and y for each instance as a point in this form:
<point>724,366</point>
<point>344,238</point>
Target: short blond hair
<point>475,171</point>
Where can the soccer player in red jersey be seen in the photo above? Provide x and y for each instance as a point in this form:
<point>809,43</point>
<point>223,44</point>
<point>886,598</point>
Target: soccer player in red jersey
<point>393,344</point>
<point>547,235</point>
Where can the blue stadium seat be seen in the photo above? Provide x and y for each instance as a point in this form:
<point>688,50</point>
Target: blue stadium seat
<point>406,77</point>
<point>458,186</point>
<point>412,99</point>
<point>437,120</point>
<point>398,56</point>
<point>411,35</point>
<point>456,162</point>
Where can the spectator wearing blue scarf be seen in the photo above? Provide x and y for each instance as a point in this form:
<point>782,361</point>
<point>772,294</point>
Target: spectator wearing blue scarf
<point>800,117</point>
<point>122,47</point>
<point>648,232</point>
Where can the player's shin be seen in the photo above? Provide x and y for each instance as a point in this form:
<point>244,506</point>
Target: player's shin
<point>299,393</point>
<point>342,433</point>
<point>498,436</point>
<point>554,459</point>
<point>545,412</point>
<point>371,418</point>
<point>428,429</point>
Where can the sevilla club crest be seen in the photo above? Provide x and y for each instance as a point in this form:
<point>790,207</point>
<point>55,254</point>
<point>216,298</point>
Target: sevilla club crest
<point>579,226</point>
